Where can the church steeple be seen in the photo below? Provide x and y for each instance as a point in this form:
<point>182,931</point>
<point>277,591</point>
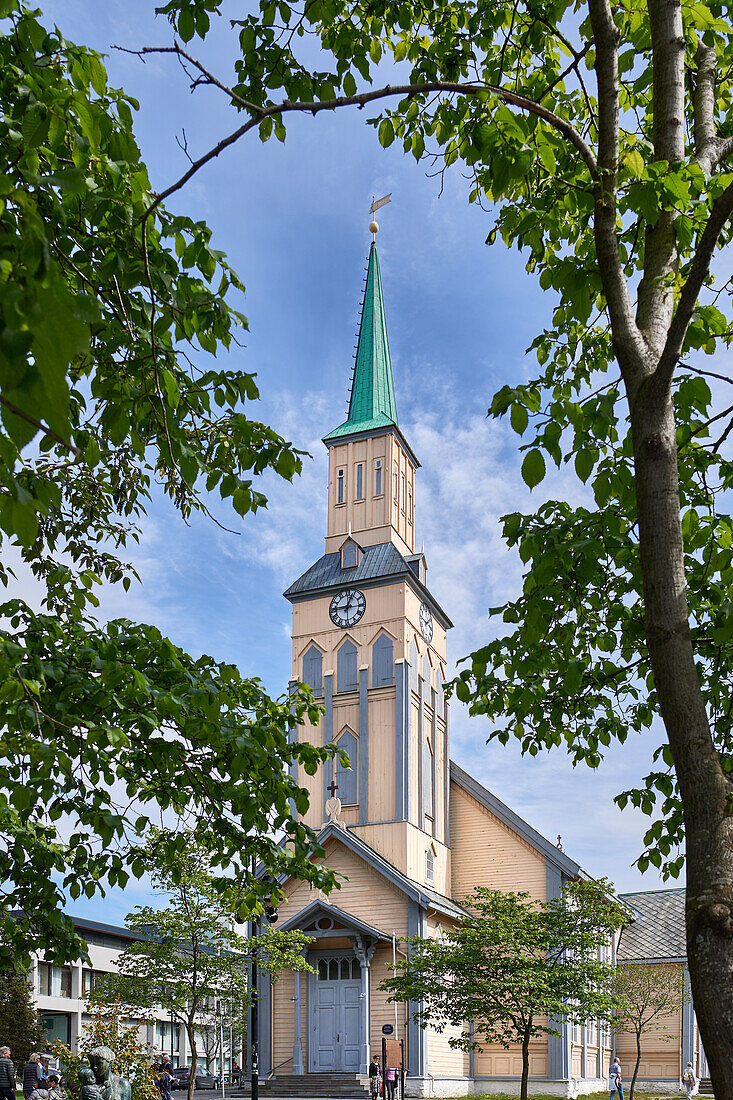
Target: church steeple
<point>372,402</point>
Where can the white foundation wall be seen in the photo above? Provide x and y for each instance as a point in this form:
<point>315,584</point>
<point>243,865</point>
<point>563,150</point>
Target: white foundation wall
<point>447,1087</point>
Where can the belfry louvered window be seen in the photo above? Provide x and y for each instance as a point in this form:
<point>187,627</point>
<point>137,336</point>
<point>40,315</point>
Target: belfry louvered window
<point>346,777</point>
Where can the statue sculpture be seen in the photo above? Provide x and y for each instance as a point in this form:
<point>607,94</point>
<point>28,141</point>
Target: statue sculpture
<point>98,1082</point>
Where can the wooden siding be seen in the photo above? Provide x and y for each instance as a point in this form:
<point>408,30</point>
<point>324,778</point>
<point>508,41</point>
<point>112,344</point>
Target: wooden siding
<point>661,1048</point>
<point>366,894</point>
<point>485,852</point>
<point>497,1061</point>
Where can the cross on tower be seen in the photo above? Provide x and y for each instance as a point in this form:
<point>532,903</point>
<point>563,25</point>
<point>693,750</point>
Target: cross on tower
<point>332,787</point>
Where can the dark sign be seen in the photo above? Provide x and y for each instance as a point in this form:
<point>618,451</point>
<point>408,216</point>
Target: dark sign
<point>387,1029</point>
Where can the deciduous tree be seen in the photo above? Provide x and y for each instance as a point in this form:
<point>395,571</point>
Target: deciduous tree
<point>648,996</point>
<point>111,392</point>
<point>20,1025</point>
<point>189,958</point>
<point>513,968</point>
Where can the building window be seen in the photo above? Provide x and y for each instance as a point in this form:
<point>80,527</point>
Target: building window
<point>348,556</point>
<point>430,865</point>
<point>340,474</point>
<point>313,670</point>
<point>404,493</point>
<point>427,779</point>
<point>382,662</point>
<point>378,477</point>
<point>163,1036</point>
<point>359,481</point>
<point>346,777</point>
<point>91,979</point>
<point>396,484</point>
<point>346,673</point>
<point>409,503</point>
<point>54,981</point>
<point>335,970</point>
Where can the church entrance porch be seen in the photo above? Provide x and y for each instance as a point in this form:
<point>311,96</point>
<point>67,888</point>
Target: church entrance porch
<point>336,1027</point>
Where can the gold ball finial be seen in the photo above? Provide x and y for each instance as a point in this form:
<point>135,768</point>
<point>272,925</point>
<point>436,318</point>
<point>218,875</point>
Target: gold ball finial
<point>373,227</point>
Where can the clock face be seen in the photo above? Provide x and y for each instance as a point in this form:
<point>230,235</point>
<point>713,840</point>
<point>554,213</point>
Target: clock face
<point>347,607</point>
<point>426,622</point>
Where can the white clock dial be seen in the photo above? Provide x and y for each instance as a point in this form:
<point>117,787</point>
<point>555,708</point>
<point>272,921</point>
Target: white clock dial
<point>347,607</point>
<point>426,622</point>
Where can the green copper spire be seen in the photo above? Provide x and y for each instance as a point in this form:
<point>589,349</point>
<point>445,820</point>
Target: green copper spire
<point>372,403</point>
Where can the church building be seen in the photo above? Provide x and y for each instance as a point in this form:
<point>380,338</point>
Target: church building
<point>409,830</point>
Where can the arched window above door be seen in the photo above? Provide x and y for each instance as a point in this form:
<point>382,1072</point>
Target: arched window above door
<point>346,778</point>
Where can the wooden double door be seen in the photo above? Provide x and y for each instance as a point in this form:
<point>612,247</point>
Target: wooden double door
<point>336,1016</point>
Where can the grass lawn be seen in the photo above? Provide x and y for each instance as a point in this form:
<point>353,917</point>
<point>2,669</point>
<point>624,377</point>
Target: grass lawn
<point>587,1096</point>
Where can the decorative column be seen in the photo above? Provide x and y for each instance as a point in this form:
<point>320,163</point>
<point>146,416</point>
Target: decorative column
<point>298,1069</point>
<point>327,735</point>
<point>364,951</point>
<point>364,763</point>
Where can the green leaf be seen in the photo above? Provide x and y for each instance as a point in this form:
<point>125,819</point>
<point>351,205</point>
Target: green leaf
<point>386,133</point>
<point>533,468</point>
<point>519,418</point>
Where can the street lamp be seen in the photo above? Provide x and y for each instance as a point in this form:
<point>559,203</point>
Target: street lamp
<point>271,914</point>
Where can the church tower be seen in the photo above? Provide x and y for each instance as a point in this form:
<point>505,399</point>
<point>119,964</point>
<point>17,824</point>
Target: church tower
<point>369,637</point>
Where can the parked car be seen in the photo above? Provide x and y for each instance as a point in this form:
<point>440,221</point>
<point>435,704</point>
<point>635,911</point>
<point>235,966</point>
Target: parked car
<point>204,1080</point>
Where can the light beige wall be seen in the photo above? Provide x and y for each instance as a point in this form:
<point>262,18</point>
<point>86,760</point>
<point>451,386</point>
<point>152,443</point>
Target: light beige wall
<point>373,519</point>
<point>498,1061</point>
<point>661,1048</point>
<point>365,894</point>
<point>487,853</point>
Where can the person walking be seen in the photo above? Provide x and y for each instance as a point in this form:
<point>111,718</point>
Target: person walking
<point>7,1075</point>
<point>615,1084</point>
<point>164,1071</point>
<point>236,1072</point>
<point>32,1075</point>
<point>390,1080</point>
<point>690,1081</point>
<point>375,1076</point>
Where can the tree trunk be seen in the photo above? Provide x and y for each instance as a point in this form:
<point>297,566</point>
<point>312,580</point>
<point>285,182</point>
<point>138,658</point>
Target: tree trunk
<point>636,1067</point>
<point>525,1064</point>
<point>191,1032</point>
<point>703,785</point>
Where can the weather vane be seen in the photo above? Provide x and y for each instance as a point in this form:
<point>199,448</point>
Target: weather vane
<point>376,203</point>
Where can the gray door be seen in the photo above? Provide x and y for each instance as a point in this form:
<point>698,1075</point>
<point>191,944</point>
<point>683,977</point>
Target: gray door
<point>336,1021</point>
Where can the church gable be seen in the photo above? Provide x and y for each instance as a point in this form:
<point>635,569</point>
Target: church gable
<point>364,892</point>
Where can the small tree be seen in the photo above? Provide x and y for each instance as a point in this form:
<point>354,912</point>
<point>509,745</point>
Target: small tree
<point>512,966</point>
<point>133,1058</point>
<point>646,995</point>
<point>20,1026</point>
<point>189,958</point>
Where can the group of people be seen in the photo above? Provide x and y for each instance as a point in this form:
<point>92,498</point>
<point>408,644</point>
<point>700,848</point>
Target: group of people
<point>376,1078</point>
<point>616,1085</point>
<point>39,1082</point>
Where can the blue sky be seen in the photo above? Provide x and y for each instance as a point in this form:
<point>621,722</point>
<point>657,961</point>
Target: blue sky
<point>293,220</point>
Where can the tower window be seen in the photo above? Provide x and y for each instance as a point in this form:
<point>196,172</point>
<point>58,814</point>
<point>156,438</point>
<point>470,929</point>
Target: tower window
<point>427,779</point>
<point>346,777</point>
<point>340,476</point>
<point>359,481</point>
<point>430,865</point>
<point>409,504</point>
<point>346,668</point>
<point>404,492</point>
<point>378,477</point>
<point>382,662</point>
<point>348,556</point>
<point>396,483</point>
<point>313,669</point>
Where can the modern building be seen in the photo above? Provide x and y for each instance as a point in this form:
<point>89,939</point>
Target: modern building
<point>410,831</point>
<point>61,994</point>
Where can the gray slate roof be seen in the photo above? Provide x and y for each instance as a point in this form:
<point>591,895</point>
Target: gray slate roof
<point>379,562</point>
<point>658,928</point>
<point>382,560</point>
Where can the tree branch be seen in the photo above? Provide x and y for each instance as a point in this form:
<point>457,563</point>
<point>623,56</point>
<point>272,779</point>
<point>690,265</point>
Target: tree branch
<point>703,102</point>
<point>359,100</point>
<point>628,341</point>
<point>720,213</point>
<point>40,426</point>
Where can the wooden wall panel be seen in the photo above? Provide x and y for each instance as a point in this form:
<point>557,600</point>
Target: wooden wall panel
<point>498,1061</point>
<point>485,852</point>
<point>661,1052</point>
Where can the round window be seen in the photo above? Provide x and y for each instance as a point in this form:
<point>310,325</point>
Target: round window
<point>324,924</point>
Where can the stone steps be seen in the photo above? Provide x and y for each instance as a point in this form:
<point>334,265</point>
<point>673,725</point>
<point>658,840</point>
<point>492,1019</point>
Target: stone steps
<point>313,1086</point>
<point>706,1087</point>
